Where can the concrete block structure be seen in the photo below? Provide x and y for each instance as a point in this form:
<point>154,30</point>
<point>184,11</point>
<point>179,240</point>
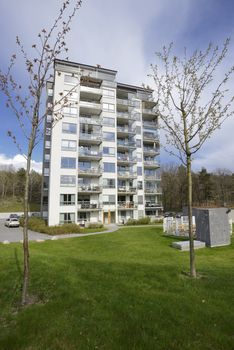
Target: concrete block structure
<point>101,152</point>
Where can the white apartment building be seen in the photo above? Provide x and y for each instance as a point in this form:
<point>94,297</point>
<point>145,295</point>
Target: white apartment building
<point>101,156</point>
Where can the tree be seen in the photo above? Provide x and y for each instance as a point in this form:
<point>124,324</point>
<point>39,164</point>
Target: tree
<point>27,107</point>
<point>190,107</point>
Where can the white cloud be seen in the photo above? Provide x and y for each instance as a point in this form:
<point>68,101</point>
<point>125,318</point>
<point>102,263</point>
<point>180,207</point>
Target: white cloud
<point>18,161</point>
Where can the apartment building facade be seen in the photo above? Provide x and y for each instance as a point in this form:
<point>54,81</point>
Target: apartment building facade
<point>101,149</point>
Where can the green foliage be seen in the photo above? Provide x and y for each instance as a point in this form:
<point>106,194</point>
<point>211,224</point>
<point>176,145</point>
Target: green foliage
<point>142,221</point>
<point>10,205</point>
<point>95,225</point>
<point>39,225</point>
<point>127,290</point>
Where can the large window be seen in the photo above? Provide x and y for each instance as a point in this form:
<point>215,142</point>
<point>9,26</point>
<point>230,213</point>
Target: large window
<point>66,218</point>
<point>108,121</point>
<point>72,111</point>
<point>108,199</point>
<point>110,107</point>
<point>47,144</point>
<point>68,145</point>
<point>68,163</point>
<point>109,167</point>
<point>69,128</point>
<point>108,183</point>
<point>108,151</point>
<point>67,180</point>
<point>67,199</point>
<point>139,170</point>
<point>108,92</point>
<point>109,136</point>
<point>84,165</point>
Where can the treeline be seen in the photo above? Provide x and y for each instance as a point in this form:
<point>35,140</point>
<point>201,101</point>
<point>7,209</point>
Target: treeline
<point>12,183</point>
<point>209,189</point>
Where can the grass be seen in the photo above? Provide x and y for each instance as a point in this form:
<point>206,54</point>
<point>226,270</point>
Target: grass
<point>124,290</point>
<point>14,205</point>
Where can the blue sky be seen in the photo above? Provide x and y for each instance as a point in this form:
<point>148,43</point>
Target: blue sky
<point>122,35</point>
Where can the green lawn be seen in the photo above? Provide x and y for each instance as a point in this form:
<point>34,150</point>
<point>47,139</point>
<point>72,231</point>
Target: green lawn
<point>122,290</point>
<point>11,206</point>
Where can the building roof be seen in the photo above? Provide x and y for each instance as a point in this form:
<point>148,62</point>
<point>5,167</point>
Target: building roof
<point>85,66</point>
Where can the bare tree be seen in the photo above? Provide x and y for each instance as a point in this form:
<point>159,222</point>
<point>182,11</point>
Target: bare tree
<point>26,102</point>
<point>191,106</point>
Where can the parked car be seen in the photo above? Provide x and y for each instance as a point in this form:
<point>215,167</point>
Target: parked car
<point>12,222</point>
<point>14,216</point>
<point>169,215</point>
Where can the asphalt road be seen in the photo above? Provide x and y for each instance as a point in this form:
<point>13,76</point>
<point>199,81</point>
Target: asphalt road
<point>15,234</point>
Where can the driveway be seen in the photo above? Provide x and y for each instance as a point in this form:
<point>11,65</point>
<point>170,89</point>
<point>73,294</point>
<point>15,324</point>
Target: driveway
<point>9,235</point>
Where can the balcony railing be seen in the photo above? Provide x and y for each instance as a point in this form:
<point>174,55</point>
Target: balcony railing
<point>127,205</point>
<point>83,205</point>
<point>90,137</point>
<point>150,125</point>
<point>126,174</point>
<point>87,153</point>
<point>124,143</point>
<point>150,205</point>
<point>67,202</point>
<point>90,171</point>
<point>126,159</point>
<point>123,189</point>
<point>152,177</point>
<point>151,163</point>
<point>90,121</point>
<point>148,111</point>
<point>90,189</point>
<point>153,190</point>
<point>126,130</point>
<point>150,136</point>
<point>127,116</point>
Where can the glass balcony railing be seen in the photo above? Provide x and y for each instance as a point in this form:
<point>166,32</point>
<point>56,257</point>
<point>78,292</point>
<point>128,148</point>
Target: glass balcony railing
<point>127,205</point>
<point>124,189</point>
<point>123,143</point>
<point>125,129</point>
<point>90,121</point>
<point>89,153</point>
<point>126,159</point>
<point>127,174</point>
<point>90,171</point>
<point>127,116</point>
<point>150,205</point>
<point>90,188</point>
<point>90,137</point>
<point>83,205</point>
<point>150,136</point>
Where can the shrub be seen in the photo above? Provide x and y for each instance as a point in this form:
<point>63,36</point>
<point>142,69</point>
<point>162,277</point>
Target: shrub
<point>39,225</point>
<point>142,221</point>
<point>95,225</point>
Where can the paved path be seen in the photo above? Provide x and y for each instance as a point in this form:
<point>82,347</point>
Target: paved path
<point>8,235</point>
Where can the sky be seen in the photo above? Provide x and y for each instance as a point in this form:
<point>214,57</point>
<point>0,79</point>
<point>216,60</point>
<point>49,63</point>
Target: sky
<point>122,35</point>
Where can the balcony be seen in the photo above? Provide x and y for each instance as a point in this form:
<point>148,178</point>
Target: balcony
<point>151,205</point>
<point>126,160</point>
<point>87,206</point>
<point>127,116</point>
<point>90,121</point>
<point>149,111</point>
<point>152,177</point>
<point>150,151</point>
<point>91,139</point>
<point>148,124</point>
<point>122,144</point>
<point>153,190</point>
<point>126,190</point>
<point>90,106</point>
<point>89,189</point>
<point>127,205</point>
<point>91,172</point>
<point>150,137</point>
<point>125,130</point>
<point>89,154</point>
<point>151,164</point>
<point>90,91</point>
<point>127,175</point>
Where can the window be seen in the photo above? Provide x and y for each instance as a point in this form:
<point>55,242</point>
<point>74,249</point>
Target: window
<point>69,79</point>
<point>84,165</point>
<point>138,129</point>
<point>108,107</point>
<point>108,121</point>
<point>67,180</point>
<point>108,199</point>
<point>47,144</point>
<point>140,199</point>
<point>69,128</point>
<point>68,163</point>
<point>108,183</point>
<point>138,143</point>
<point>109,167</point>
<point>49,118</point>
<point>46,171</point>
<point>109,136</point>
<point>108,92</point>
<point>139,185</point>
<point>50,92</point>
<point>68,145</point>
<point>66,218</point>
<point>47,157</point>
<point>72,111</point>
<point>67,199</point>
<point>139,156</point>
<point>108,151</point>
<point>139,170</point>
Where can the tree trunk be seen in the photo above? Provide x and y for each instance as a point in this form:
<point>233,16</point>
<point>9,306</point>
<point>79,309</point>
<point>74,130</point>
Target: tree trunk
<point>191,242</point>
<point>25,236</point>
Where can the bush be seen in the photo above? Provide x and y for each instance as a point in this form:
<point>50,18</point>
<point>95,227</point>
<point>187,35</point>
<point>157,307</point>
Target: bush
<point>142,221</point>
<point>39,225</point>
<point>95,225</point>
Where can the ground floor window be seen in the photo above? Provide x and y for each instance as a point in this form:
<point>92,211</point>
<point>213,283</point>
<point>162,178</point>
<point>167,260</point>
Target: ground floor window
<point>67,218</point>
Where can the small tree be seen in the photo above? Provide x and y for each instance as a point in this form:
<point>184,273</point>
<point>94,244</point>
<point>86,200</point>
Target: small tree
<point>26,100</point>
<point>190,107</point>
